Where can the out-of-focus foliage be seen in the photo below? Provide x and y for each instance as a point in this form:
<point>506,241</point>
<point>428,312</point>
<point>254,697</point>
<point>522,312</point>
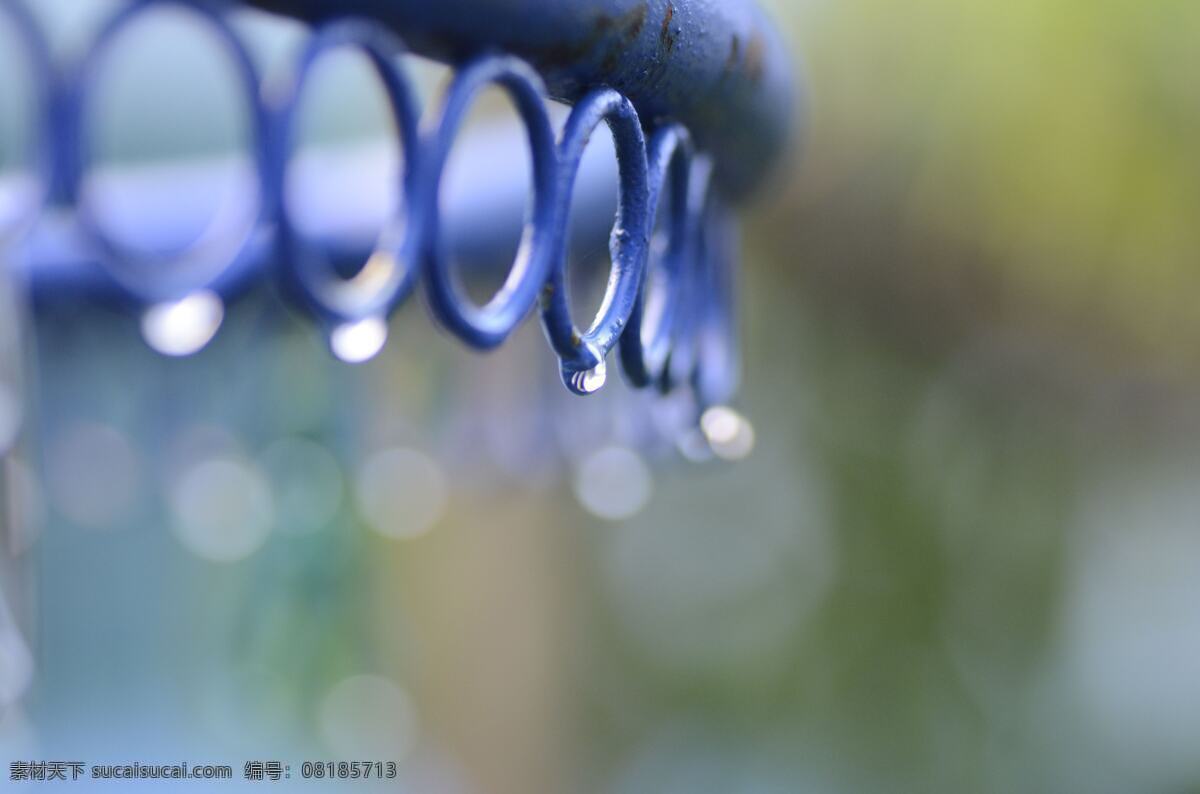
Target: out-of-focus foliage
<point>1050,144</point>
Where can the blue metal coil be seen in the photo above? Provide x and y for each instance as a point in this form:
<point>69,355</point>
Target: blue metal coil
<point>668,306</point>
<point>488,326</point>
<point>582,353</point>
<point>653,320</point>
<point>379,288</point>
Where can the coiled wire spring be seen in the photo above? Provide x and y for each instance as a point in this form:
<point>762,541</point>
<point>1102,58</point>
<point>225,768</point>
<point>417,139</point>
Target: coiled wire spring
<point>668,307</point>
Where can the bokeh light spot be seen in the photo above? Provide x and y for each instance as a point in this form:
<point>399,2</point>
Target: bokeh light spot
<point>25,506</point>
<point>183,327</point>
<point>613,483</point>
<point>223,510</point>
<point>92,474</point>
<point>306,483</point>
<point>367,716</point>
<point>360,341</point>
<point>402,493</point>
<point>730,434</point>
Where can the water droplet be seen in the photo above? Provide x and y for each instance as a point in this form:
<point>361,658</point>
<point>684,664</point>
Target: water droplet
<point>587,381</point>
<point>359,341</point>
<point>185,326</point>
<point>729,434</point>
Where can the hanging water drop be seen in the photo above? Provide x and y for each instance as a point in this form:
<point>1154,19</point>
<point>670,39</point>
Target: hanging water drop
<point>586,381</point>
<point>183,327</point>
<point>357,342</point>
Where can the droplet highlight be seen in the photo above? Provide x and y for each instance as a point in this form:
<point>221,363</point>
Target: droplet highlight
<point>360,341</point>
<point>587,381</point>
<point>183,327</point>
<point>729,434</point>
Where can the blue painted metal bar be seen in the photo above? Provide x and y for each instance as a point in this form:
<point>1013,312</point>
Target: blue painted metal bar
<point>716,66</point>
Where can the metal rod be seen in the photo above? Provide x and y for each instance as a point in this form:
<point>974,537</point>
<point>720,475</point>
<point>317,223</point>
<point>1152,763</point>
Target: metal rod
<point>717,66</point>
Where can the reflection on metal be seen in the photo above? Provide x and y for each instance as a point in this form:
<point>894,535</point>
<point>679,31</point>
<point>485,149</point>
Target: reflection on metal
<point>668,304</point>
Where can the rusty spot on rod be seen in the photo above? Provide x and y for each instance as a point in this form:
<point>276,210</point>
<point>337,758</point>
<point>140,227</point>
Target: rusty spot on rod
<point>666,38</point>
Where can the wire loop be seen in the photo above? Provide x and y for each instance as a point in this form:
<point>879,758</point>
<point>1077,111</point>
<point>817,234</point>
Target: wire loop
<point>488,326</point>
<point>156,276</point>
<point>717,368</point>
<point>646,342</point>
<point>683,345</point>
<point>584,351</point>
<point>391,268</point>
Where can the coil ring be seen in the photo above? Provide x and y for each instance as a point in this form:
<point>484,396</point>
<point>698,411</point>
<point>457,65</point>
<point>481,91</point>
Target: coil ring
<point>645,345</point>
<point>583,352</point>
<point>392,267</point>
<point>488,326</point>
<point>682,349</point>
<point>147,275</point>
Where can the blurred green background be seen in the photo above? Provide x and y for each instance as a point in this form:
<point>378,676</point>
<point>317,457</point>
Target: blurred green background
<point>964,556</point>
